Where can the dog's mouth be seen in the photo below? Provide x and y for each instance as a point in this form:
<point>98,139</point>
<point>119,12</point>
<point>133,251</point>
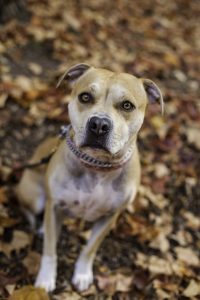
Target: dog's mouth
<point>92,162</point>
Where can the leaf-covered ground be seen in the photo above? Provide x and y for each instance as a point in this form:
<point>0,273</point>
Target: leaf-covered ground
<point>154,250</point>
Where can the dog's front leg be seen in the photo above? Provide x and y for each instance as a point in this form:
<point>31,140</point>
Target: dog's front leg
<point>48,267</point>
<point>83,274</point>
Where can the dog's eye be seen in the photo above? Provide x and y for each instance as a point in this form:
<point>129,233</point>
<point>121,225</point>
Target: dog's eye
<point>85,97</point>
<point>127,106</point>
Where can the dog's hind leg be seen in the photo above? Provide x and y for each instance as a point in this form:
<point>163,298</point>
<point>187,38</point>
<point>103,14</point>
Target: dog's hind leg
<point>83,274</point>
<point>31,194</point>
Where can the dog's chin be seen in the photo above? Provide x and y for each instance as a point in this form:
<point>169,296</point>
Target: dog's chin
<point>100,153</point>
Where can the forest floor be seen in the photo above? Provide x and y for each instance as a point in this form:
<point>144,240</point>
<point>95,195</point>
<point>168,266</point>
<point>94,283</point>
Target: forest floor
<point>154,250</point>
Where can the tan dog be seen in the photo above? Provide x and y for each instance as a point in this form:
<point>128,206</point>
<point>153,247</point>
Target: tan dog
<point>96,171</point>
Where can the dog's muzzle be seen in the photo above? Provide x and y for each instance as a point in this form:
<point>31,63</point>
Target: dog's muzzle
<point>92,162</point>
<point>97,133</point>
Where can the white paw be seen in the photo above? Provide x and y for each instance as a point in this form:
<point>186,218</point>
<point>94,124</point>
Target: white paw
<point>47,274</point>
<point>48,282</point>
<point>82,280</point>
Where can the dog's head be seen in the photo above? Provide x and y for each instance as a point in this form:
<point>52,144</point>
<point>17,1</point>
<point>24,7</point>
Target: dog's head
<point>107,109</point>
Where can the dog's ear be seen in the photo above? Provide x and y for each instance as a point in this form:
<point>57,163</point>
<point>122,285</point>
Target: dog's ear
<point>153,92</point>
<point>72,74</point>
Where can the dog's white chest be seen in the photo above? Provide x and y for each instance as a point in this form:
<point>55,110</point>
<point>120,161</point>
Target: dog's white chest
<point>87,197</point>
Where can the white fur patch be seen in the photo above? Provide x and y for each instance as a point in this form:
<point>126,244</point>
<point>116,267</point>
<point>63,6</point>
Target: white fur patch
<point>47,274</point>
<point>137,123</point>
<point>117,91</point>
<point>95,87</point>
<point>99,199</point>
<point>83,274</point>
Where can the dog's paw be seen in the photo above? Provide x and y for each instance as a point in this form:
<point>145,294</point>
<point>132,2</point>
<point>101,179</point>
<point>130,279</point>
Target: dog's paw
<point>47,282</point>
<point>82,280</point>
<point>47,275</point>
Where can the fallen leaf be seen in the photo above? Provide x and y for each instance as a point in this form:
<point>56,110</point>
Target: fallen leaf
<point>180,76</point>
<point>172,59</point>
<point>68,296</point>
<point>3,195</point>
<point>32,262</point>
<point>193,136</point>
<point>7,221</point>
<point>160,242</point>
<point>160,170</point>
<point>35,68</point>
<point>3,99</point>
<point>157,121</point>
<point>24,83</point>
<point>29,293</point>
<point>20,240</point>
<point>182,237</point>
<point>158,265</point>
<point>139,226</point>
<point>192,220</point>
<point>10,288</point>
<point>162,294</point>
<point>181,269</point>
<point>193,289</point>
<point>188,256</point>
<point>157,199</point>
<point>117,282</point>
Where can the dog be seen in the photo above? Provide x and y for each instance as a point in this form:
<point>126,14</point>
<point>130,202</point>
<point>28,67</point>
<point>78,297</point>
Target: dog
<point>95,171</point>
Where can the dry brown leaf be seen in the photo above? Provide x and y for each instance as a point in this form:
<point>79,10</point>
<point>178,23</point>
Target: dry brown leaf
<point>2,48</point>
<point>85,234</point>
<point>24,83</point>
<point>171,59</point>
<point>113,283</point>
<point>10,288</point>
<point>7,222</point>
<point>160,170</point>
<point>32,95</point>
<point>160,242</point>
<point>20,240</point>
<point>163,294</point>
<point>32,262</point>
<point>68,296</point>
<point>139,226</point>
<point>181,270</point>
<point>157,121</point>
<point>162,284</point>
<point>158,265</point>
<point>3,99</point>
<point>193,136</point>
<point>3,195</point>
<point>35,68</point>
<point>29,293</point>
<point>157,199</point>
<point>192,221</point>
<point>188,256</point>
<point>5,172</point>
<point>193,289</point>
<point>182,237</point>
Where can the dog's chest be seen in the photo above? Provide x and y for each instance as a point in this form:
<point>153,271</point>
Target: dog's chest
<point>87,197</point>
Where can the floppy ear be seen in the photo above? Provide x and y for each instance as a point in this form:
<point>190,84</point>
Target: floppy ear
<point>153,92</point>
<point>72,74</point>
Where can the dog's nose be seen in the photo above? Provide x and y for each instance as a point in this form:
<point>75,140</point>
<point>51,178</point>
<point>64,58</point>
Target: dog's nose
<point>99,126</point>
